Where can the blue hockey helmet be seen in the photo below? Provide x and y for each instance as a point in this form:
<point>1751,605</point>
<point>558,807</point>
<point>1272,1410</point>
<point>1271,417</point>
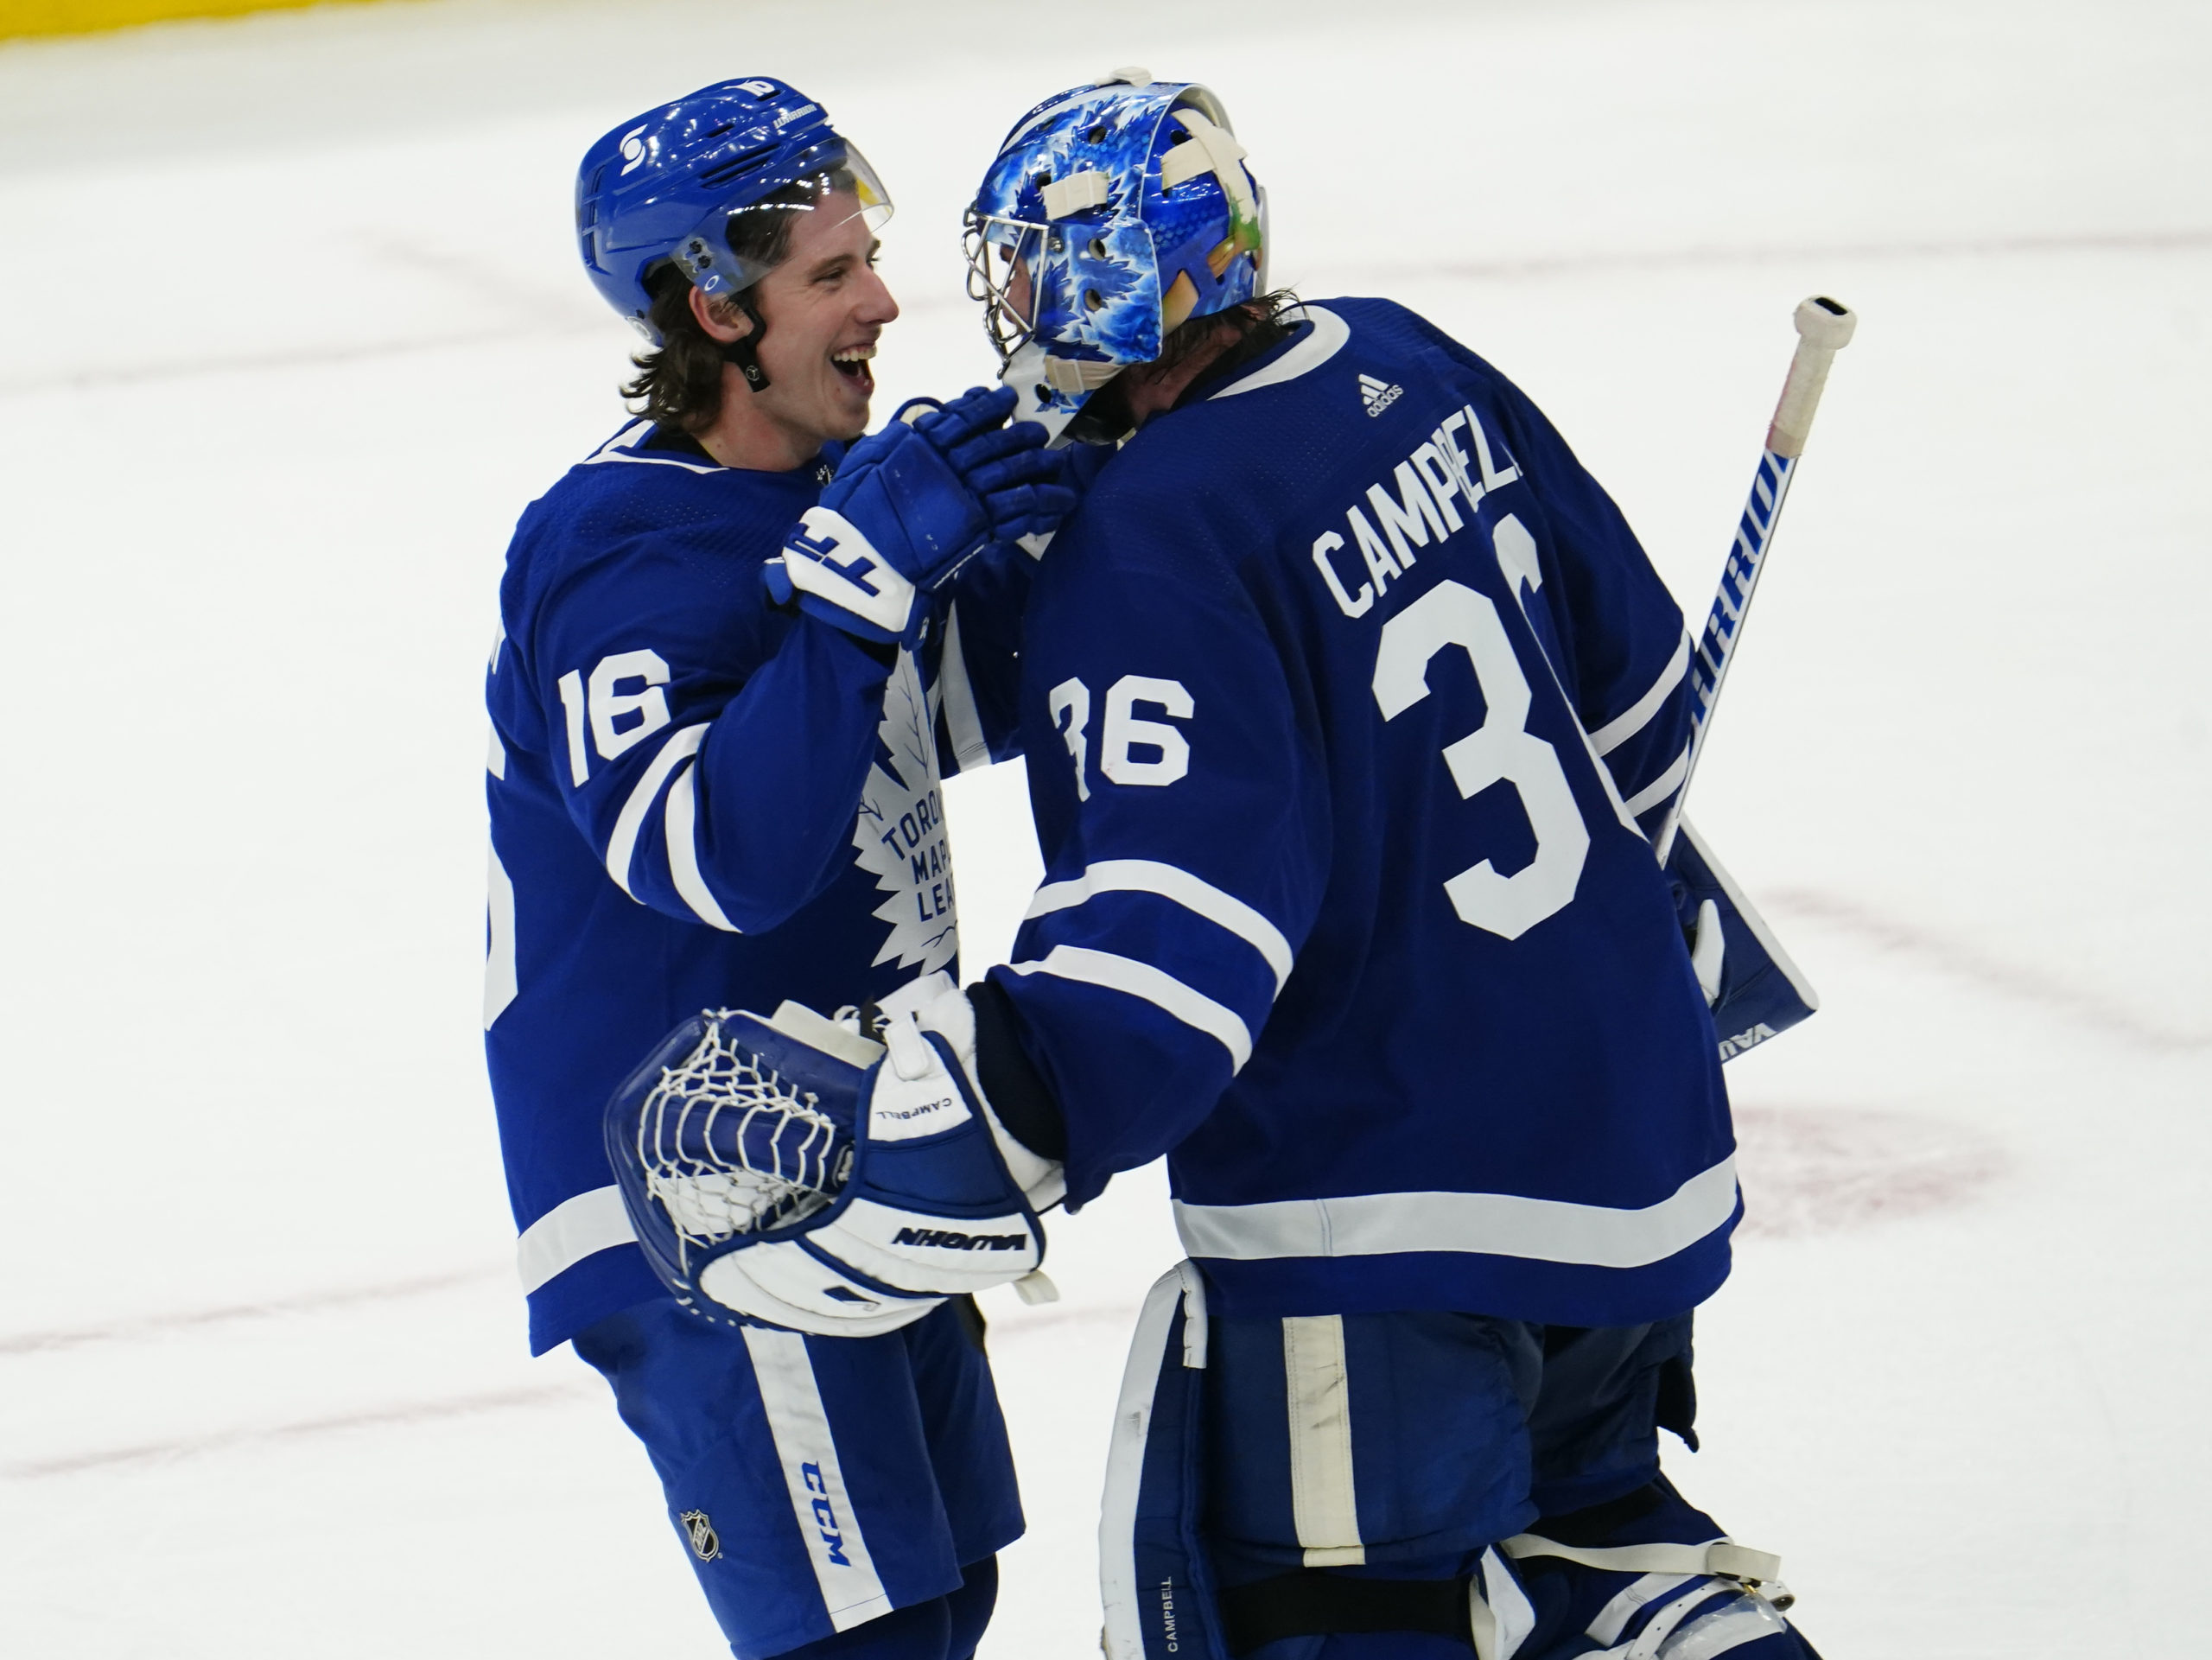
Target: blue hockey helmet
<point>686,182</point>
<point>1113,213</point>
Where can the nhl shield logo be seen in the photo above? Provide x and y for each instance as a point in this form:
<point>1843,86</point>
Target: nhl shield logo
<point>706,1544</point>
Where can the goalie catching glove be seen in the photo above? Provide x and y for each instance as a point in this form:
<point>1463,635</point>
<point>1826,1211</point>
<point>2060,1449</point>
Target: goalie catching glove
<point>913,503</point>
<point>799,1174</point>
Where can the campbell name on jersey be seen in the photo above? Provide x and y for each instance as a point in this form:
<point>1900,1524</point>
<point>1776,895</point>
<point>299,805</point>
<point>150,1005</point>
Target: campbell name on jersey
<point>698,801</point>
<point>1351,705</point>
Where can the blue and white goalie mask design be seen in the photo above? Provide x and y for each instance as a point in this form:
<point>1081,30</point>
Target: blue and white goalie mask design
<point>1113,213</point>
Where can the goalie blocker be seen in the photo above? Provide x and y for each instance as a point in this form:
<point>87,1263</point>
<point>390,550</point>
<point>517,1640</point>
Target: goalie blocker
<point>792,1173</point>
<point>1754,988</point>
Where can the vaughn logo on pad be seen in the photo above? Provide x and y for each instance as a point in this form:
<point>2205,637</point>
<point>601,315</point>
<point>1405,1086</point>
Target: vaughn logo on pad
<point>949,1239</point>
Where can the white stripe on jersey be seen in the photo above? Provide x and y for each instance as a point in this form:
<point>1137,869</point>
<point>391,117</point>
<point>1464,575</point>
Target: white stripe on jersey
<point>1327,338</point>
<point>1663,787</point>
<point>820,1502</point>
<point>962,723</point>
<point>1155,986</point>
<point>681,819</point>
<point>617,448</point>
<point>571,1230</point>
<point>622,846</point>
<point>500,983</point>
<point>1491,1225</point>
<point>1169,882</point>
<point>1625,726</point>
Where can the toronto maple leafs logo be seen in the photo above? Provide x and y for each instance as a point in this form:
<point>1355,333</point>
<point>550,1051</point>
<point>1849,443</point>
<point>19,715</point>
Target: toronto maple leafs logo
<point>900,832</point>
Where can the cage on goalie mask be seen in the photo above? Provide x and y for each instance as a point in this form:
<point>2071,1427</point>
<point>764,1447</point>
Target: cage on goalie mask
<point>714,1145</point>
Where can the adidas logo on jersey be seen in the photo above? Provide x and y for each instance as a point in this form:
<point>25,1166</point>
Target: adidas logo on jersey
<point>1378,395</point>
<point>947,1240</point>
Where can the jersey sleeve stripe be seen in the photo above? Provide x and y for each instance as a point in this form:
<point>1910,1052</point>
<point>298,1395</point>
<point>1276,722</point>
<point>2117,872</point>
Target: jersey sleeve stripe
<point>571,1230</point>
<point>1169,882</point>
<point>1154,986</point>
<point>622,846</point>
<point>962,723</point>
<point>499,983</point>
<point>681,816</point>
<point>1619,730</point>
<point>1663,787</point>
<point>1493,1224</point>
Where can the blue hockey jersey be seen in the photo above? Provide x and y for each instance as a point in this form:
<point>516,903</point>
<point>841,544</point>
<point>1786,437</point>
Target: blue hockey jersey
<point>1351,704</point>
<point>697,800</point>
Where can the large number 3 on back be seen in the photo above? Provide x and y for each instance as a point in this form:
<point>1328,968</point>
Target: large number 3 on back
<point>1502,750</point>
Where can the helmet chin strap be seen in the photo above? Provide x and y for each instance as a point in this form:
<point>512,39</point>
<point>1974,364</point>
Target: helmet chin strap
<point>745,354</point>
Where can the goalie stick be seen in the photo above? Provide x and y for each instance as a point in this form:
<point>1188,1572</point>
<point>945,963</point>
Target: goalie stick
<point>1824,328</point>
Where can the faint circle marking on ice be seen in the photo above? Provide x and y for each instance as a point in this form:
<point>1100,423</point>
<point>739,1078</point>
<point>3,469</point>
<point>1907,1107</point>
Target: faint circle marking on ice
<point>1807,1170</point>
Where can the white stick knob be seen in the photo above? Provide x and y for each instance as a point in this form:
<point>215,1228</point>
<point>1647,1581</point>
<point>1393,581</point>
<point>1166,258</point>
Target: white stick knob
<point>1824,328</point>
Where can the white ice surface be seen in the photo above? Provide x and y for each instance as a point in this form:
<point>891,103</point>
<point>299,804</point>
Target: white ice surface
<point>290,329</point>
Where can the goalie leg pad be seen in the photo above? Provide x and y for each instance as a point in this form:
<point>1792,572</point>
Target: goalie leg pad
<point>1648,1576</point>
<point>818,1484</point>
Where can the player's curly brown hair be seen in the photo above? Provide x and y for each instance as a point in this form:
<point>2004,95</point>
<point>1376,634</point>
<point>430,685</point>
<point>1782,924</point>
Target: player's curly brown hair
<point>680,382</point>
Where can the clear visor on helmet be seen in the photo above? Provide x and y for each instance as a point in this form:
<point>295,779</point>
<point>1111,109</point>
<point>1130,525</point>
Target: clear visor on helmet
<point>733,248</point>
<point>1004,260</point>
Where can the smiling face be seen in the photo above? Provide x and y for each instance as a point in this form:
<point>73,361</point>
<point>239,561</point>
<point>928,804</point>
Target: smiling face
<point>824,306</point>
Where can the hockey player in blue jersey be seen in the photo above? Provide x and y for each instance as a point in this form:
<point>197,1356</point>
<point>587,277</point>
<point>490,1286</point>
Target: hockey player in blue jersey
<point>1352,707</point>
<point>732,651</point>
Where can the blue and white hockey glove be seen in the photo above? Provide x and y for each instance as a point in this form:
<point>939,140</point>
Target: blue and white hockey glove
<point>911,504</point>
<point>1754,988</point>
<point>792,1173</point>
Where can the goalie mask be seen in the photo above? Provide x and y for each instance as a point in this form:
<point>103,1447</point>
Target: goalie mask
<point>701,183</point>
<point>1113,213</point>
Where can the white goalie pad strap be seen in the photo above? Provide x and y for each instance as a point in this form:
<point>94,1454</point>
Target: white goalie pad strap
<point>1721,1556</point>
<point>924,1254</point>
<point>1498,1610</point>
<point>1613,1619</point>
<point>784,1285</point>
<point>1709,1633</point>
<point>829,558</point>
<point>1648,1642</point>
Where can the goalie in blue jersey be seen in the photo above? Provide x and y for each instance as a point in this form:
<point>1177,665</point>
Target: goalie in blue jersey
<point>1352,709</point>
<point>734,644</point>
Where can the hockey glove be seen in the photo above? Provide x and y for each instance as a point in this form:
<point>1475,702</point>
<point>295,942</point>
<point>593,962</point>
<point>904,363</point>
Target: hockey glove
<point>794,1173</point>
<point>910,504</point>
<point>1754,988</point>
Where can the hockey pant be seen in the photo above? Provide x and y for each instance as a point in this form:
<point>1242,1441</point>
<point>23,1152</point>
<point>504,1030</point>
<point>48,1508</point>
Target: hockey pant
<point>837,1497</point>
<point>1408,1486</point>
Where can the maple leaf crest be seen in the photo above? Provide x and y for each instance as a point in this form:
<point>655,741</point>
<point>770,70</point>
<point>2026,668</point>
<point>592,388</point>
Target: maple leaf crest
<point>900,832</point>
